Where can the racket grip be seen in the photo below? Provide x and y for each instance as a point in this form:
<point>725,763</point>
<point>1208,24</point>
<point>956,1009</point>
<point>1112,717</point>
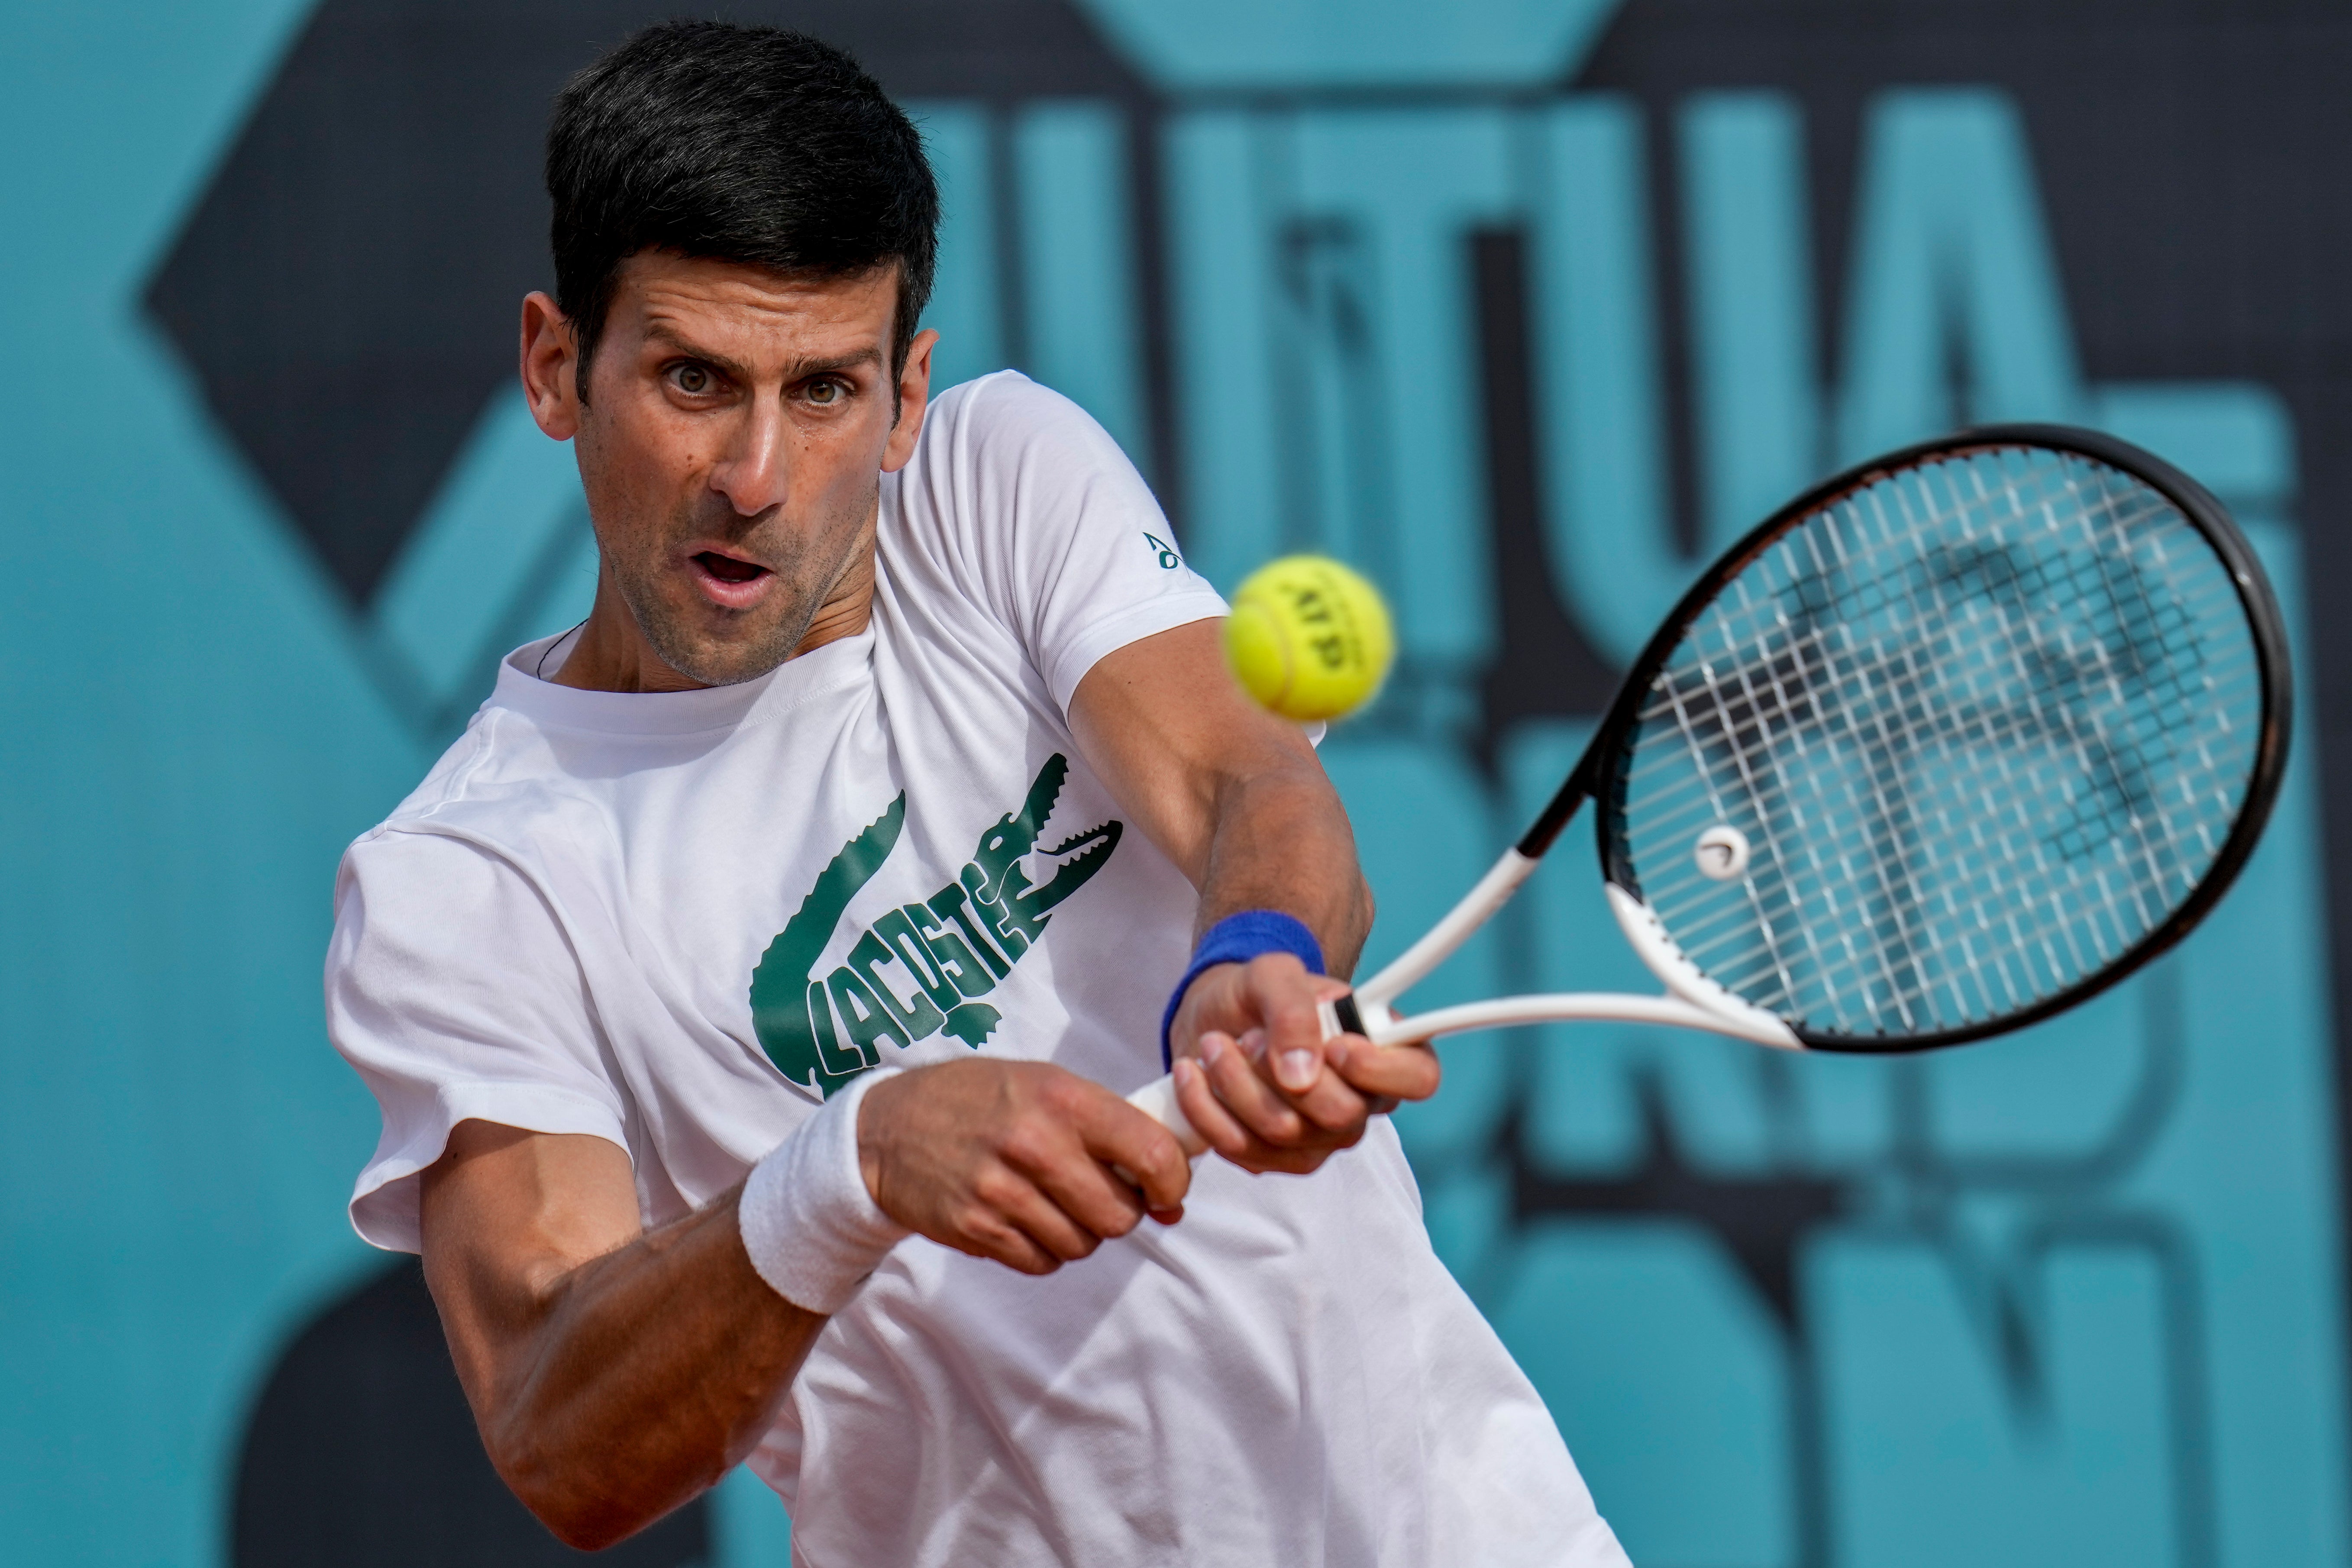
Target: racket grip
<point>1157,1100</point>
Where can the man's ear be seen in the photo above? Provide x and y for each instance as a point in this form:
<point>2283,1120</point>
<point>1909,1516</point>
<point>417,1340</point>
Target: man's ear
<point>548,351</point>
<point>914,397</point>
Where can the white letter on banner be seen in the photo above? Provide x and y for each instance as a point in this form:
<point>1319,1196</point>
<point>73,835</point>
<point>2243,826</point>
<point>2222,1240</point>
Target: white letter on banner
<point>964,304</point>
<point>1751,308</point>
<point>1953,277</point>
<point>1224,286</point>
<point>1613,559</point>
<point>1386,199</point>
<point>1078,265</point>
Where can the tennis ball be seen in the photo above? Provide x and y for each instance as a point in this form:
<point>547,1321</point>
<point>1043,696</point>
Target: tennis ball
<point>1308,639</point>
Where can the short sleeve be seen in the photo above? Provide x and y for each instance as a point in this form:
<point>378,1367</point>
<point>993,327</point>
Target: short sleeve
<point>1070,541</point>
<point>452,989</point>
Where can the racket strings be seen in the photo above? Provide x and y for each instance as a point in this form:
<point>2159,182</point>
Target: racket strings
<point>2040,716</point>
<point>1891,814</point>
<point>1985,725</point>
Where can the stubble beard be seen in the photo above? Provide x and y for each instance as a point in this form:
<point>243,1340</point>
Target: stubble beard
<point>806,573</point>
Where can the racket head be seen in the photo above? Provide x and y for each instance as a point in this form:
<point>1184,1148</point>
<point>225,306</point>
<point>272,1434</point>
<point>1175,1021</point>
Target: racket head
<point>1954,742</point>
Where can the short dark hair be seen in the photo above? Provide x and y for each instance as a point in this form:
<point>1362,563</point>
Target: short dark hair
<point>737,143</point>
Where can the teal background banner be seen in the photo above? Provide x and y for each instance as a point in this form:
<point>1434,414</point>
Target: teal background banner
<point>1526,307</point>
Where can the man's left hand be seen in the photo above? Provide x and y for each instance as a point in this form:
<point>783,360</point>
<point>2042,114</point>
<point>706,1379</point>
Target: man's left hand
<point>1259,1082</point>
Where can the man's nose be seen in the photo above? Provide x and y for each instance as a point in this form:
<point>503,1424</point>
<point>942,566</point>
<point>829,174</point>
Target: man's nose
<point>755,473</point>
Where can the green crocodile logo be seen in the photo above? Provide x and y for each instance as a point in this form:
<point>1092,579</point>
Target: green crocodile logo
<point>922,968</point>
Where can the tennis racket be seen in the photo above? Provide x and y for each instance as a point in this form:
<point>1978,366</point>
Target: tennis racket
<point>1955,741</point>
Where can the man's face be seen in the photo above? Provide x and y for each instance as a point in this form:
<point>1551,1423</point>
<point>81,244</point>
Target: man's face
<point>732,447</point>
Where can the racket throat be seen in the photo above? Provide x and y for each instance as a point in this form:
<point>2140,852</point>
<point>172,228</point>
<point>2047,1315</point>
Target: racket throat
<point>1685,982</point>
<point>1461,922</point>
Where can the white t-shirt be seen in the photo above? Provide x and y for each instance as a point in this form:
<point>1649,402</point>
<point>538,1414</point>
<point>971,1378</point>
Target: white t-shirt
<point>676,921</point>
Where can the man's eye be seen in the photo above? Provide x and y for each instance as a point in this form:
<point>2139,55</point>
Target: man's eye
<point>824,393</point>
<point>693,379</point>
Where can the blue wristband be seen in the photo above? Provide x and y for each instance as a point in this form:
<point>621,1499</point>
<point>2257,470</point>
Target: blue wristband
<point>1237,939</point>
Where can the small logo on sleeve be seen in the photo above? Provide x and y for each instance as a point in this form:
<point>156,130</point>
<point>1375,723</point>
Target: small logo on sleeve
<point>1168,559</point>
<point>920,969</point>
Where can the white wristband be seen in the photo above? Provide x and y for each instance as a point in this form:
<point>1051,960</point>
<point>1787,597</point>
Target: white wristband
<point>813,1230</point>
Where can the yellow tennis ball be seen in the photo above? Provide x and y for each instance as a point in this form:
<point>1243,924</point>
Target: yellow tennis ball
<point>1310,639</point>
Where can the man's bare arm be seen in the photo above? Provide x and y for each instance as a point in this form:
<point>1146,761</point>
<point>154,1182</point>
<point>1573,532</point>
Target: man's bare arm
<point>1239,801</point>
<point>615,1372</point>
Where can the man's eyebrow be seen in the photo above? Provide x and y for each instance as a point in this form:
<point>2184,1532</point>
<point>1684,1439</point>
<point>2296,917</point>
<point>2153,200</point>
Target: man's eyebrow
<point>801,370</point>
<point>798,370</point>
<point>660,333</point>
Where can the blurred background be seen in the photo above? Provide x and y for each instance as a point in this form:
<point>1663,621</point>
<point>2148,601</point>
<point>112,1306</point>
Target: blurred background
<point>1525,307</point>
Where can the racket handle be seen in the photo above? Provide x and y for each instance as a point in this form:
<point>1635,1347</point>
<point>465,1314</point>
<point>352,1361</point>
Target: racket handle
<point>1157,1100</point>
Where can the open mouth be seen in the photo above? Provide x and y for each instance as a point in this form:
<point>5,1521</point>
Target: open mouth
<point>727,569</point>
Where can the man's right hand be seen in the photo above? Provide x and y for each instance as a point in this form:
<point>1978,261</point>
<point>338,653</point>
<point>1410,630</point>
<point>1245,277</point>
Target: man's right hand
<point>1015,1161</point>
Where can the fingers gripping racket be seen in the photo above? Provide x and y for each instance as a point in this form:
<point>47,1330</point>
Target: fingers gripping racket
<point>1955,741</point>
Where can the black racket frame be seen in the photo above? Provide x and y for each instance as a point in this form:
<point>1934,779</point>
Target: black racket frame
<point>1599,776</point>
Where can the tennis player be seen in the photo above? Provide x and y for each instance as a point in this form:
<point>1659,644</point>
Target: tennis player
<point>749,993</point>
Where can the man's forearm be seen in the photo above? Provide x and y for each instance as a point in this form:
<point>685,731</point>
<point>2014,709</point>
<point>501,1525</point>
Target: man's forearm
<point>614,1374</point>
<point>1234,796</point>
<point>657,1369</point>
<point>1281,841</point>
<point>1239,802</point>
